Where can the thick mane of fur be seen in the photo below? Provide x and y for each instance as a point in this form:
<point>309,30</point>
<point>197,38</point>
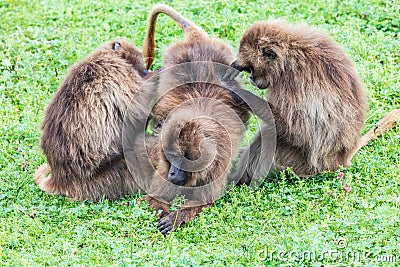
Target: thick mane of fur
<point>212,50</point>
<point>208,50</point>
<point>83,125</point>
<point>315,93</point>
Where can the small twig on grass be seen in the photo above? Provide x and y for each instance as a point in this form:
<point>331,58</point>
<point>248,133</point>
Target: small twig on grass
<point>26,162</point>
<point>32,216</point>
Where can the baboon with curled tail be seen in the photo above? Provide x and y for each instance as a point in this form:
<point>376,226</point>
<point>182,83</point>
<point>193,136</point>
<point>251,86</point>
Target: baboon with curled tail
<point>196,47</point>
<point>316,96</point>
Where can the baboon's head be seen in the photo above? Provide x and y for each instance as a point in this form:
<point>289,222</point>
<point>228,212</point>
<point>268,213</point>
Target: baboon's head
<point>195,152</point>
<point>129,53</point>
<point>271,49</point>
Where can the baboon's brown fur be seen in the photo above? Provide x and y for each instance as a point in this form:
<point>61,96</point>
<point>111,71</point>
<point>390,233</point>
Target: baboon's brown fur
<point>225,133</point>
<point>82,127</point>
<point>316,96</point>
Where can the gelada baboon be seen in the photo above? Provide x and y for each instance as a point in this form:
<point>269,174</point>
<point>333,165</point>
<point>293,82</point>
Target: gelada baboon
<point>316,96</point>
<point>200,132</point>
<point>83,124</point>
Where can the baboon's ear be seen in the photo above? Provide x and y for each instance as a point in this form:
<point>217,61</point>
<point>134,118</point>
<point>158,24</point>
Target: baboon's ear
<point>116,46</point>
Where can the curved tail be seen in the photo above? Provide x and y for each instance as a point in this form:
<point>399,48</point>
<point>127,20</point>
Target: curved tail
<point>191,30</point>
<point>385,124</point>
<point>41,174</point>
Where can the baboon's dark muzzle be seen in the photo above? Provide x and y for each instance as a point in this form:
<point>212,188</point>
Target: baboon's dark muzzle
<point>176,175</point>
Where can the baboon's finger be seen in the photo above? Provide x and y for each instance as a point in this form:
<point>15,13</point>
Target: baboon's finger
<point>165,225</point>
<point>230,74</point>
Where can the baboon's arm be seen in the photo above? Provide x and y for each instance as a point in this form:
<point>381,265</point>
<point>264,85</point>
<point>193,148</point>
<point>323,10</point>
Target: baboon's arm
<point>177,218</point>
<point>158,206</point>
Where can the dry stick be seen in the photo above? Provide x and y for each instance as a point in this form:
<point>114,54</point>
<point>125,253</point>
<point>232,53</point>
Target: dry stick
<point>26,162</point>
<point>32,216</point>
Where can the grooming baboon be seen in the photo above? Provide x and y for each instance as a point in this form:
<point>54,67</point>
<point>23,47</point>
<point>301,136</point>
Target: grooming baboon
<point>316,96</point>
<point>83,125</point>
<point>201,132</point>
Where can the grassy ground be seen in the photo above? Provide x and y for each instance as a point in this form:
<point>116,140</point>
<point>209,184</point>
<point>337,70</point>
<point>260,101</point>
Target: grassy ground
<point>286,222</point>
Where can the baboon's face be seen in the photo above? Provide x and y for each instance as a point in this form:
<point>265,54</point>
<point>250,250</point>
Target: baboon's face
<point>130,53</point>
<point>184,146</point>
<point>261,55</point>
<point>178,173</point>
<point>196,150</point>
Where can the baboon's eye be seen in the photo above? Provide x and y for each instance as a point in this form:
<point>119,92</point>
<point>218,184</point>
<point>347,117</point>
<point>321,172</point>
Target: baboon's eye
<point>116,46</point>
<point>157,125</point>
<point>267,52</point>
<point>187,155</point>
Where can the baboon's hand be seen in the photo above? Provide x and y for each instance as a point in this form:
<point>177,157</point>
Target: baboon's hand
<point>170,223</point>
<point>233,71</point>
<point>230,74</point>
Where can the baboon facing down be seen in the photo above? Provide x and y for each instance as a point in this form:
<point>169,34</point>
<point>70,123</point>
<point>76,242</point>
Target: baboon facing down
<point>83,125</point>
<point>199,133</point>
<point>316,96</point>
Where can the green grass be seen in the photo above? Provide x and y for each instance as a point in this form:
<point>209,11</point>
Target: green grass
<point>39,40</point>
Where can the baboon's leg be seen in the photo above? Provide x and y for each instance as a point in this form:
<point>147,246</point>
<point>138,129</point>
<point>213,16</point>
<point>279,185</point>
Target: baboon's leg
<point>111,182</point>
<point>158,206</point>
<point>253,163</point>
<point>177,218</point>
<point>247,166</point>
<point>385,124</point>
<point>289,156</point>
